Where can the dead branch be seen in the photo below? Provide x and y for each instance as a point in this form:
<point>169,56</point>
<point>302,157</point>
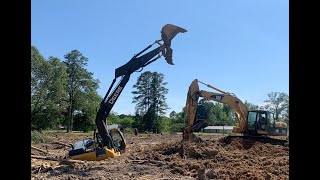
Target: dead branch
<point>61,143</point>
<point>38,149</point>
<point>149,161</point>
<point>57,159</point>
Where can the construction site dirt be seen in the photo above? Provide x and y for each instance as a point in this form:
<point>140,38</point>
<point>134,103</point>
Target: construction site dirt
<point>155,156</point>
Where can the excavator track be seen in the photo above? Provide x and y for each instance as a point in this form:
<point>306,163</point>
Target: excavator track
<point>262,139</point>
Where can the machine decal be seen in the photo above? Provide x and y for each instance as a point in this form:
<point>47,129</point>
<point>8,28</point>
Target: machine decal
<point>114,97</point>
<point>218,97</point>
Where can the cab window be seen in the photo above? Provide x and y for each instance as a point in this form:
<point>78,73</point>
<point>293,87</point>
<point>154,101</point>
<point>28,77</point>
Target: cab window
<point>117,139</point>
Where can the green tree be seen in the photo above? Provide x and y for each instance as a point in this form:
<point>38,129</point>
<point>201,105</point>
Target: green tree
<point>113,118</point>
<point>81,88</point>
<point>250,106</point>
<point>220,116</point>
<point>149,97</point>
<point>57,93</point>
<point>39,83</point>
<point>230,120</point>
<point>285,112</point>
<point>48,92</point>
<point>126,122</point>
<point>172,114</point>
<point>149,120</point>
<point>177,122</point>
<point>138,122</point>
<point>277,103</point>
<point>158,92</point>
<point>142,94</point>
<point>216,113</point>
<point>150,90</point>
<point>84,119</point>
<point>165,124</point>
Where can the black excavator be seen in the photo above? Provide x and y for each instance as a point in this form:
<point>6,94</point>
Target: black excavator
<point>110,141</point>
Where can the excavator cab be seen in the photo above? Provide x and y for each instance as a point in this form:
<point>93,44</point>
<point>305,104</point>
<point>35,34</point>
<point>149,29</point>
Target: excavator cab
<point>116,133</point>
<point>263,123</point>
<point>258,122</point>
<point>93,149</point>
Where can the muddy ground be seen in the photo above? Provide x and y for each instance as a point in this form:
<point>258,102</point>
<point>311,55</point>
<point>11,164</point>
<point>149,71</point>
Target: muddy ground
<point>150,156</point>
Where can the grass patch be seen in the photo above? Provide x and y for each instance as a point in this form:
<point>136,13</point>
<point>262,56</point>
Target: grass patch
<point>194,133</point>
<point>80,133</point>
<point>207,133</point>
<point>77,133</point>
<point>37,137</point>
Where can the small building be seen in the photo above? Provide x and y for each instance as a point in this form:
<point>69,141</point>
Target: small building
<point>218,129</point>
<point>61,127</point>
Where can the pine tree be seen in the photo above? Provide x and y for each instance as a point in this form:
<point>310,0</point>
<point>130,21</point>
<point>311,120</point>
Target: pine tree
<point>150,99</point>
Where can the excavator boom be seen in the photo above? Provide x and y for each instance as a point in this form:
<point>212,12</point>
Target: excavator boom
<point>234,103</point>
<point>226,98</point>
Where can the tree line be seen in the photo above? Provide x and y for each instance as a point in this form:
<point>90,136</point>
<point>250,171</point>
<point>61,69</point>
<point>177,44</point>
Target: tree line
<point>64,93</point>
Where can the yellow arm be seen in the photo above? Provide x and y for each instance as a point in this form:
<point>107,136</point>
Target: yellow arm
<point>234,103</point>
<point>192,103</point>
<point>226,98</point>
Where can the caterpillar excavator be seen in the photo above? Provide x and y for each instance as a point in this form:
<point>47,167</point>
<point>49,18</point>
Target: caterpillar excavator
<point>256,124</point>
<point>109,141</point>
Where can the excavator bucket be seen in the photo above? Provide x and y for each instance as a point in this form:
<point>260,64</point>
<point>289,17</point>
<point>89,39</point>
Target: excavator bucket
<point>168,32</point>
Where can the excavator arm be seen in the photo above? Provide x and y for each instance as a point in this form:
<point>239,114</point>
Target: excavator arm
<point>234,103</point>
<point>192,124</point>
<point>137,62</point>
<point>191,110</point>
<point>108,101</point>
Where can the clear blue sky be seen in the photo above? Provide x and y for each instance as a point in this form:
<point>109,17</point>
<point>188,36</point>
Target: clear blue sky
<point>237,46</point>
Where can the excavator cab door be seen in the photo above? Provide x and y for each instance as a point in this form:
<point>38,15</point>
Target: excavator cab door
<point>117,137</point>
<point>271,122</point>
<point>262,123</point>
<point>257,122</point>
<point>252,117</point>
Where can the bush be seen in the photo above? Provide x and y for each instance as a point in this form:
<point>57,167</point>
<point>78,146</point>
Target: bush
<point>126,122</point>
<point>128,130</point>
<point>176,127</point>
<point>37,137</point>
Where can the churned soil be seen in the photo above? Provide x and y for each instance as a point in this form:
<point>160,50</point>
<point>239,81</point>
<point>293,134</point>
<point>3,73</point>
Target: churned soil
<point>153,156</point>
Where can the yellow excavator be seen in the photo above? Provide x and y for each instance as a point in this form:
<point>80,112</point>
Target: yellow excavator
<point>109,141</point>
<point>254,123</point>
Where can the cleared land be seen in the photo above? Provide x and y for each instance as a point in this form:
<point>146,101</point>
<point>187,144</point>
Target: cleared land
<point>150,156</point>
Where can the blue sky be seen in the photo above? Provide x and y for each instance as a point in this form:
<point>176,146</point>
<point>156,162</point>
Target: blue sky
<point>237,46</point>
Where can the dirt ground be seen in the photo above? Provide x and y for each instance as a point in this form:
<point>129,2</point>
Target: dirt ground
<point>150,156</point>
